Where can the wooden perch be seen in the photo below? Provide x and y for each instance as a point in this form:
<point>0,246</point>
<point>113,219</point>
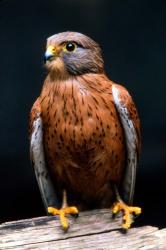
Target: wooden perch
<point>91,230</point>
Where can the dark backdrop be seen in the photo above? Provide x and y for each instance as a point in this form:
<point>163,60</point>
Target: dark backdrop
<point>132,35</point>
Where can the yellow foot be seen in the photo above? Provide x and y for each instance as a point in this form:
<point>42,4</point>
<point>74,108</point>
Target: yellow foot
<point>127,211</point>
<point>62,214</point>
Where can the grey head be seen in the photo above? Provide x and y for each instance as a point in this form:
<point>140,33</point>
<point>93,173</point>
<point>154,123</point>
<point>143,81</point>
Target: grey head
<point>73,53</point>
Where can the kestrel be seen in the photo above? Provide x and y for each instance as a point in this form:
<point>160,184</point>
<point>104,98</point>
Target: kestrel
<point>84,133</point>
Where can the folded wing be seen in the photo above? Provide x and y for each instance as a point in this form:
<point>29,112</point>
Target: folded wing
<point>37,156</point>
<point>131,124</point>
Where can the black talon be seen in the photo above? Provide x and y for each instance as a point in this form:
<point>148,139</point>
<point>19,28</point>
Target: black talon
<point>123,221</point>
<point>123,231</point>
<point>75,215</point>
<point>114,216</point>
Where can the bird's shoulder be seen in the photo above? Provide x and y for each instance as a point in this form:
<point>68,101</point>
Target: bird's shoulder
<point>34,113</point>
<point>126,101</point>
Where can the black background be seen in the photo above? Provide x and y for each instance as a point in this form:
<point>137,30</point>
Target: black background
<point>133,38</point>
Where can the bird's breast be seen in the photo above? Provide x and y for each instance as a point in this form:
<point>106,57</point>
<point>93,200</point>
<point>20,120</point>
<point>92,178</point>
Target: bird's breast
<point>82,132</point>
<point>79,123</point>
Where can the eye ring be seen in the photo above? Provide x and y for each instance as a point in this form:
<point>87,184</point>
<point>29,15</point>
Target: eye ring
<point>70,46</point>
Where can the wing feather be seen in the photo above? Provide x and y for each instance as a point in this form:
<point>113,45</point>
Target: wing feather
<point>38,159</point>
<point>129,118</point>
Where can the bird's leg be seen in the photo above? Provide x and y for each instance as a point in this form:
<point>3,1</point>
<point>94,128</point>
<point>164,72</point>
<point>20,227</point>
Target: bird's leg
<point>65,209</point>
<point>128,211</point>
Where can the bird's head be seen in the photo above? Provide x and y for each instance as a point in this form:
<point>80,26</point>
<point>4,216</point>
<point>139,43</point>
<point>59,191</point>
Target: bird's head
<point>72,54</point>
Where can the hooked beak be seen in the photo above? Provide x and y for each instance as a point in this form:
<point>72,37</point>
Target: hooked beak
<point>49,54</point>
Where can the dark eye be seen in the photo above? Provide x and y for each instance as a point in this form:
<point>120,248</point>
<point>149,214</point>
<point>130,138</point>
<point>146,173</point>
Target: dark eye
<point>71,46</point>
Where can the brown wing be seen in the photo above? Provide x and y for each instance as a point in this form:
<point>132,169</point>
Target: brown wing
<point>38,158</point>
<point>131,124</point>
<point>127,101</point>
<point>36,109</point>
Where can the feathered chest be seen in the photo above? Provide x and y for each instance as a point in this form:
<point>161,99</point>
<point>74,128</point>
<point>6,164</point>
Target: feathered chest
<point>77,117</point>
<point>81,132</point>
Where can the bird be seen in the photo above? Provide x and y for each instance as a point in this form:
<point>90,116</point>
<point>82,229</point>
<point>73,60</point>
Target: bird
<point>84,130</point>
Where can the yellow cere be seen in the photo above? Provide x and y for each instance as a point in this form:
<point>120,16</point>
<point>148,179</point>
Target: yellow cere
<point>50,49</point>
